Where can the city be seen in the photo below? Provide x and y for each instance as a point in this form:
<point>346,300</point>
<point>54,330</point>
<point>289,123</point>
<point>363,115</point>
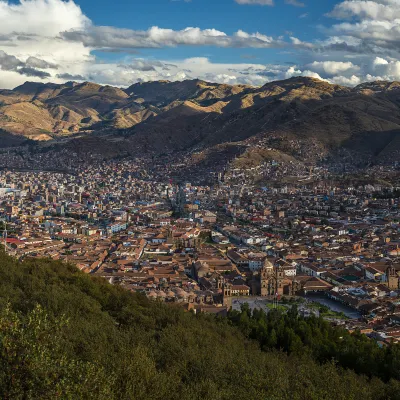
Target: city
<point>209,248</point>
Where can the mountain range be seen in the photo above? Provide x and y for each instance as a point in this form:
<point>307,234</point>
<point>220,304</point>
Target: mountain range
<point>300,118</point>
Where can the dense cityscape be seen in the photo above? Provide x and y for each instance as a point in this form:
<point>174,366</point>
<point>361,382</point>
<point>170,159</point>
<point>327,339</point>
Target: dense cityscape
<point>330,247</point>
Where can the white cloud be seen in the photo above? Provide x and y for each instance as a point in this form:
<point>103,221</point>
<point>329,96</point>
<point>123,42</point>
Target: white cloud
<point>379,61</point>
<point>342,80</point>
<point>196,67</point>
<point>37,44</point>
<point>257,2</point>
<point>389,70</point>
<point>332,67</point>
<point>300,44</point>
<point>375,24</point>
<point>295,71</point>
<point>367,9</point>
<point>41,17</point>
<point>295,3</point>
<point>107,37</point>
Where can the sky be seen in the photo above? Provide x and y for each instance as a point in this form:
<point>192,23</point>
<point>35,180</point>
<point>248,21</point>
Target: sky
<point>251,42</point>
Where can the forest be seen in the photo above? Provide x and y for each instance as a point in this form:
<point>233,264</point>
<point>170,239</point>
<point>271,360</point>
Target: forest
<point>288,332</point>
<point>67,335</point>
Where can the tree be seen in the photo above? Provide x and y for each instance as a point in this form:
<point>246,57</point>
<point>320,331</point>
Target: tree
<point>272,339</point>
<point>34,361</point>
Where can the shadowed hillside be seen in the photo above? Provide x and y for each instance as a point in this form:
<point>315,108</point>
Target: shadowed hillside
<point>302,118</point>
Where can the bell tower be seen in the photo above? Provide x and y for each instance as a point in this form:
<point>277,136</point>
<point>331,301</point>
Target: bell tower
<point>220,281</point>
<point>267,270</point>
<point>227,295</point>
<point>266,274</point>
<point>392,278</point>
<point>227,290</point>
<point>280,276</point>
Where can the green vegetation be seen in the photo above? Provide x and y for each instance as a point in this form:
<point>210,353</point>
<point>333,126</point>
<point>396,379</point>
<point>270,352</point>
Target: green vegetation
<point>319,340</point>
<point>326,312</point>
<point>67,335</point>
<point>273,306</point>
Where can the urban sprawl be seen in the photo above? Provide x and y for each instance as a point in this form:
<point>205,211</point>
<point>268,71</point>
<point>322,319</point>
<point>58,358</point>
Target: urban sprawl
<point>332,247</point>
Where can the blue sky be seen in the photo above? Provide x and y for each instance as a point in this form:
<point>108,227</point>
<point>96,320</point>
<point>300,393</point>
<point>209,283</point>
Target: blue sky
<point>231,41</point>
<point>223,15</point>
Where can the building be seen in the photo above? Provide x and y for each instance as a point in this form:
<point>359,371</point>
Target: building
<point>273,281</point>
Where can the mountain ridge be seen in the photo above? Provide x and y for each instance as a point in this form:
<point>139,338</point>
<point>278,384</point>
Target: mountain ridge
<point>301,117</point>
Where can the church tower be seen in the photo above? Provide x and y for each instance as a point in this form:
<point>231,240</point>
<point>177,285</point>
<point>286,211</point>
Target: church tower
<point>280,276</point>
<point>220,281</point>
<point>227,295</point>
<point>392,278</point>
<point>266,275</point>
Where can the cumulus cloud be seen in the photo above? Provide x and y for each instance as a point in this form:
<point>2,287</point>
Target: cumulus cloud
<point>30,31</point>
<point>367,9</point>
<point>243,73</point>
<point>195,67</point>
<point>345,81</point>
<point>295,71</point>
<point>41,17</point>
<point>108,37</point>
<point>141,64</point>
<point>332,67</point>
<point>388,70</point>
<point>300,44</point>
<point>373,26</point>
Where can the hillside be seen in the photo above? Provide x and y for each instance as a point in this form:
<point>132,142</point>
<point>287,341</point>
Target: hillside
<point>304,117</point>
<point>165,92</point>
<point>45,111</point>
<point>66,335</point>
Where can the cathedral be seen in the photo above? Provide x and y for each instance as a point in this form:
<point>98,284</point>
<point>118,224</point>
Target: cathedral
<point>393,278</point>
<point>273,282</point>
<point>226,289</point>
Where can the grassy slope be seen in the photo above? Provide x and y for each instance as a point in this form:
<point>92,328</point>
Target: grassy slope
<point>66,335</point>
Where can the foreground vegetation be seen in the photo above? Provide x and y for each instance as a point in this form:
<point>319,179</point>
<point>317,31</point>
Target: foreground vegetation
<point>317,338</point>
<point>65,335</point>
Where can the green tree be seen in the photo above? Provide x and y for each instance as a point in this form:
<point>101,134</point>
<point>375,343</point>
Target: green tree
<point>34,361</point>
